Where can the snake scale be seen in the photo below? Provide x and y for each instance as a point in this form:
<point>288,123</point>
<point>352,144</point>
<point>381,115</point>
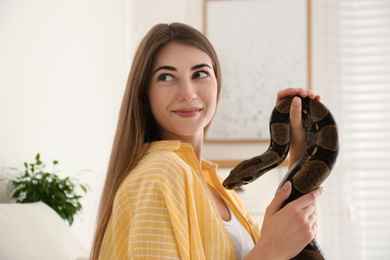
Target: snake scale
<point>310,170</point>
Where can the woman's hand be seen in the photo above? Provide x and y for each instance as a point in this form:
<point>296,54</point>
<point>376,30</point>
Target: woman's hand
<point>298,132</point>
<point>285,232</point>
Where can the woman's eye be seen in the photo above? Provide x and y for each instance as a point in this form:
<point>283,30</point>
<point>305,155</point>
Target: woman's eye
<point>200,74</point>
<point>165,77</point>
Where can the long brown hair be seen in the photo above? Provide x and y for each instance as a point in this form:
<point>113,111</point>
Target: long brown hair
<point>136,125</point>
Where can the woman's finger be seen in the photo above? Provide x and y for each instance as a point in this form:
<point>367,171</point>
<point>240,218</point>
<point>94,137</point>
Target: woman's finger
<point>310,210</point>
<point>295,113</point>
<point>306,199</point>
<point>279,199</point>
<point>295,91</point>
<point>286,93</point>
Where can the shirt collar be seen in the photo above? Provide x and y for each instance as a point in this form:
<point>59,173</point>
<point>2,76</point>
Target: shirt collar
<point>175,145</point>
<point>162,145</point>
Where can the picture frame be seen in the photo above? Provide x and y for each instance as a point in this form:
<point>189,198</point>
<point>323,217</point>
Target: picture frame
<point>263,47</point>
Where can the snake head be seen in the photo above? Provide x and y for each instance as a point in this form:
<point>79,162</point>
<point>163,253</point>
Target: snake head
<point>249,170</point>
<point>232,184</point>
<point>244,173</point>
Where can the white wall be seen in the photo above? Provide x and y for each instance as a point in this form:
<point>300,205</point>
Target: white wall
<point>147,13</point>
<point>62,76</point>
<point>63,70</point>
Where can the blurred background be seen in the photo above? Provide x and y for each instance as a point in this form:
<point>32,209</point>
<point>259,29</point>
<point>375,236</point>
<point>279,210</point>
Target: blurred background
<point>63,70</point>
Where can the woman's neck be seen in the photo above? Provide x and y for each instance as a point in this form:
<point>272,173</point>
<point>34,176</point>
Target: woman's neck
<point>196,143</point>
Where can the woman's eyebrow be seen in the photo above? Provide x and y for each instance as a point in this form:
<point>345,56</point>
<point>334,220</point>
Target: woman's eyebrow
<point>164,68</point>
<point>174,69</point>
<point>200,66</point>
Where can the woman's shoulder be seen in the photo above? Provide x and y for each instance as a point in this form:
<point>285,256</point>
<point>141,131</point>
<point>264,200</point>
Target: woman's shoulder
<point>160,165</point>
<point>161,159</point>
<point>157,175</point>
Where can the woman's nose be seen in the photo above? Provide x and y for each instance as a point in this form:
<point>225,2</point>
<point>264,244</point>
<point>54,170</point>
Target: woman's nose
<point>187,91</point>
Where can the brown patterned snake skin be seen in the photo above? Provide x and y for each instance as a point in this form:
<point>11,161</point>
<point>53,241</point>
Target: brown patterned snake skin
<point>309,171</point>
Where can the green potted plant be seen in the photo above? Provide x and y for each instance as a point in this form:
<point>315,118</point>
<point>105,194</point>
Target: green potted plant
<point>36,184</point>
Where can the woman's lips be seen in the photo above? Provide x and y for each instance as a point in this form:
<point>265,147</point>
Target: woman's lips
<point>187,112</point>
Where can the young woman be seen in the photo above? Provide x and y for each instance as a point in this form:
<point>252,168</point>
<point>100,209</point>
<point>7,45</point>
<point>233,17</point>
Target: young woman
<point>161,200</point>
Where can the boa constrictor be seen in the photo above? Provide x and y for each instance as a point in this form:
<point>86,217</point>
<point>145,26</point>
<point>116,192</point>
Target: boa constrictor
<point>310,170</point>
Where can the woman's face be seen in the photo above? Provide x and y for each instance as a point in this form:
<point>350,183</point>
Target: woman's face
<point>182,92</point>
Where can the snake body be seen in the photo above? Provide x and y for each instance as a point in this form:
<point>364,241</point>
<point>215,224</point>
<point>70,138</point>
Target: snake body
<point>310,170</point>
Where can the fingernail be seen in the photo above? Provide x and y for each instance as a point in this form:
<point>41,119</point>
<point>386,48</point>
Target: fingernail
<point>296,101</point>
<point>287,185</point>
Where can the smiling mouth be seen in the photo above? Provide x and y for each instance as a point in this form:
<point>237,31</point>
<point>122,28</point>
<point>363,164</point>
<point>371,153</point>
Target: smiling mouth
<point>187,112</point>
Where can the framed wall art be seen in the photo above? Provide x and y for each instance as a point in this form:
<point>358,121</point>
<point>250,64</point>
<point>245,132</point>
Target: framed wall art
<point>263,47</point>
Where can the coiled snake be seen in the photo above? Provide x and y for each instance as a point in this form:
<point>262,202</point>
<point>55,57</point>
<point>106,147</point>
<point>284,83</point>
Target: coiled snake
<point>310,170</point>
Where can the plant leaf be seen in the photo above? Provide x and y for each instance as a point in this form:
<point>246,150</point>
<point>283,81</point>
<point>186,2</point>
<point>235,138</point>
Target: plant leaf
<point>35,184</point>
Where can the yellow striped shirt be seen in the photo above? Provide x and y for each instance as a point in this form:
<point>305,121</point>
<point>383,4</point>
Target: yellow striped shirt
<point>163,209</point>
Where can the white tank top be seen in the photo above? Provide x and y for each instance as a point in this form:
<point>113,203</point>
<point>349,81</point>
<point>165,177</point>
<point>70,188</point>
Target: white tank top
<point>242,241</point>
